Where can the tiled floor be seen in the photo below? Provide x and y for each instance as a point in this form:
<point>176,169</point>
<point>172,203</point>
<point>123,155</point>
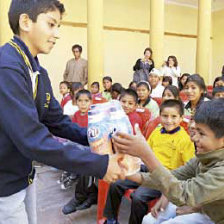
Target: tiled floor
<point>50,200</point>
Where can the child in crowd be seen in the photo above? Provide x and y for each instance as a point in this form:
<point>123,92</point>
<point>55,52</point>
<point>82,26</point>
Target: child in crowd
<point>107,84</point>
<point>195,90</point>
<point>64,90</point>
<point>172,69</point>
<point>182,81</point>
<point>219,81</point>
<point>200,182</point>
<point>172,147</point>
<point>116,91</point>
<point>218,92</point>
<point>95,90</point>
<point>144,99</point>
<point>167,80</point>
<point>129,101</point>
<point>170,92</point>
<point>83,101</point>
<point>133,85</point>
<point>86,190</point>
<point>70,107</point>
<point>154,81</point>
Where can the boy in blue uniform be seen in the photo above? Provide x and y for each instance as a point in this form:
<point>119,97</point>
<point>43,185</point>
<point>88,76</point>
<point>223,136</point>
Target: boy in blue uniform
<point>201,181</point>
<point>30,114</point>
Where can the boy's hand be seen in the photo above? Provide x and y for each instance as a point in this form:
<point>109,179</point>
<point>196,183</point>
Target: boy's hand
<point>160,206</point>
<point>134,145</point>
<point>115,169</point>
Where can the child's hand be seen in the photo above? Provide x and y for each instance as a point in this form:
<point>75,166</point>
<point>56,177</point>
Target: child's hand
<point>160,206</point>
<point>134,145</point>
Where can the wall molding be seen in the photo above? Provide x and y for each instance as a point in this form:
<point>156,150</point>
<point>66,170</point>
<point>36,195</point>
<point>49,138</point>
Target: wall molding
<point>112,28</point>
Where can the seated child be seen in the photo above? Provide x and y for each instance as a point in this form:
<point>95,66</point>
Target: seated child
<point>86,190</point>
<point>107,83</point>
<point>173,148</point>
<point>167,80</point>
<point>95,90</point>
<point>116,91</point>
<point>129,100</point>
<point>201,181</point>
<point>133,85</point>
<point>145,100</point>
<point>219,81</point>
<point>64,90</point>
<point>70,107</point>
<point>218,92</point>
<point>170,92</point>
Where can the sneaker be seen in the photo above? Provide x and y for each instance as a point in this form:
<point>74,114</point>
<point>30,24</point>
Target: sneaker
<point>111,221</point>
<point>63,177</point>
<point>71,206</point>
<point>86,204</point>
<point>67,184</point>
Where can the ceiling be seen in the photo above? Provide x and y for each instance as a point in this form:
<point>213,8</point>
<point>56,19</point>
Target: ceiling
<point>216,4</point>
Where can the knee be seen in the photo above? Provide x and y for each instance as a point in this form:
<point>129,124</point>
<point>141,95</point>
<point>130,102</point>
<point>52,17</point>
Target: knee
<point>136,198</point>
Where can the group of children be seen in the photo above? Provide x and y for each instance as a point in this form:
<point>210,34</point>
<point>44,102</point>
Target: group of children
<point>170,142</point>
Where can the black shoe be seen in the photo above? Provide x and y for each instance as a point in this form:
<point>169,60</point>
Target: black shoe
<point>71,206</point>
<point>86,204</point>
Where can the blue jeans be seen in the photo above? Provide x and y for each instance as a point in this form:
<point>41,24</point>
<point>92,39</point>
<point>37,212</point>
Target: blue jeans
<point>169,217</point>
<point>19,208</point>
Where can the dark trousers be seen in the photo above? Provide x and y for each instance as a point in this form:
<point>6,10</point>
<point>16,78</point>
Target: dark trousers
<point>139,204</point>
<point>86,188</point>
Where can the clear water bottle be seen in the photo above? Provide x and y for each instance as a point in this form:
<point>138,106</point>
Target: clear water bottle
<point>119,122</point>
<point>98,132</point>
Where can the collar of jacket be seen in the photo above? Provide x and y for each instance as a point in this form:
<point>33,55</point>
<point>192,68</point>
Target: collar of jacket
<point>211,157</point>
<point>164,131</point>
<point>33,61</point>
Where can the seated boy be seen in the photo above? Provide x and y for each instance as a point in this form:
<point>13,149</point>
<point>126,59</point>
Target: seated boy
<point>201,181</point>
<point>218,92</point>
<point>171,145</point>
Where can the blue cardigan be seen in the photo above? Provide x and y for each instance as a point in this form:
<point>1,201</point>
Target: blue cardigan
<point>27,126</point>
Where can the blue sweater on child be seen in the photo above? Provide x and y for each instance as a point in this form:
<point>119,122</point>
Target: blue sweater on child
<point>27,126</point>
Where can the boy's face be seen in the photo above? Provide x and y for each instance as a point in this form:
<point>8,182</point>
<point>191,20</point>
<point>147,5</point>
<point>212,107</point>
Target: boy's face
<point>219,95</point>
<point>40,36</point>
<point>170,118</point>
<point>128,103</point>
<point>153,80</point>
<point>107,84</point>
<point>205,139</point>
<point>83,103</point>
<point>76,53</point>
<point>63,89</point>
<point>165,83</point>
<point>94,89</point>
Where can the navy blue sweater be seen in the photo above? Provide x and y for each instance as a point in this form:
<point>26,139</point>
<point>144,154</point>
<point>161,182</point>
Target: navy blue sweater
<point>27,126</point>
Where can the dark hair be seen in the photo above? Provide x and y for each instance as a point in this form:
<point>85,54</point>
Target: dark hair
<point>66,83</point>
<point>211,113</point>
<point>174,90</point>
<point>150,50</point>
<point>198,80</point>
<point>108,78</point>
<point>77,46</point>
<point>220,78</point>
<point>129,92</point>
<point>174,60</point>
<point>219,89</point>
<point>83,92</point>
<point>179,83</point>
<point>168,79</point>
<point>144,83</point>
<point>131,83</point>
<point>96,84</point>
<point>75,86</point>
<point>173,103</point>
<point>32,8</point>
<point>117,87</point>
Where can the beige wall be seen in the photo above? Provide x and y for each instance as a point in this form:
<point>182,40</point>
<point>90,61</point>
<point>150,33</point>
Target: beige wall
<point>218,43</point>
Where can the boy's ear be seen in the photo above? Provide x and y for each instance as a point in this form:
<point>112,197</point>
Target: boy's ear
<point>25,23</point>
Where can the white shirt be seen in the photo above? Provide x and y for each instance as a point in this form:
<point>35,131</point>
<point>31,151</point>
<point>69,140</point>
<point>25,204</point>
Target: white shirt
<point>70,109</point>
<point>158,91</point>
<point>173,72</point>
